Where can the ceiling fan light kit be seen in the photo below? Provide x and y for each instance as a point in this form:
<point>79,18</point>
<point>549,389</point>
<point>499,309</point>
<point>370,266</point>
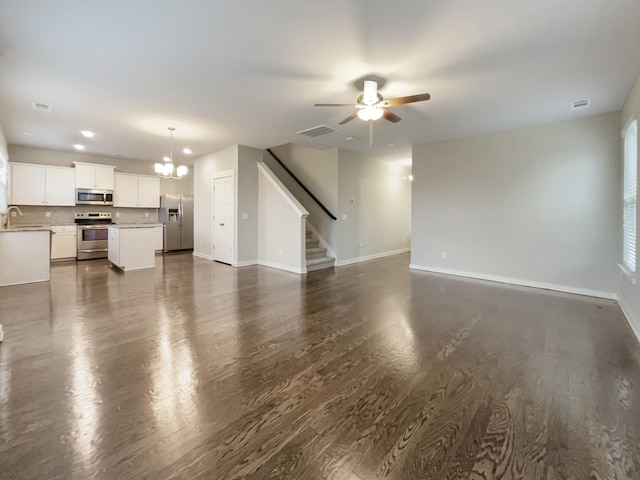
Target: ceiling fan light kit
<point>371,106</point>
<point>370,113</point>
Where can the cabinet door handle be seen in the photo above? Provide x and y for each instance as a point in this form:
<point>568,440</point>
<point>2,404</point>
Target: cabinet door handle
<point>221,224</point>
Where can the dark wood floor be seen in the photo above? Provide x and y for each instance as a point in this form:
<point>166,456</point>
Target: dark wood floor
<point>199,370</point>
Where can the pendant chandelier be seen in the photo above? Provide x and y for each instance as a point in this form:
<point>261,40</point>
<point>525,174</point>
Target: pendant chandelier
<point>165,170</point>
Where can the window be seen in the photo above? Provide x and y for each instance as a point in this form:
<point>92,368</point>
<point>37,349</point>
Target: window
<point>630,195</point>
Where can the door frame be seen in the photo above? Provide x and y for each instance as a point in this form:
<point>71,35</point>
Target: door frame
<point>216,176</point>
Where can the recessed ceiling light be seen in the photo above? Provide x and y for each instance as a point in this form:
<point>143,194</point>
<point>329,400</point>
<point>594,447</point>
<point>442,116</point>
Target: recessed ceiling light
<point>186,151</point>
<point>351,139</point>
<point>166,159</point>
<point>28,134</point>
<point>87,133</point>
<point>77,146</point>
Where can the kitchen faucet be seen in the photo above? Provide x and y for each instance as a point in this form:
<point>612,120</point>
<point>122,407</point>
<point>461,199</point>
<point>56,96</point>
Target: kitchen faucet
<point>7,222</point>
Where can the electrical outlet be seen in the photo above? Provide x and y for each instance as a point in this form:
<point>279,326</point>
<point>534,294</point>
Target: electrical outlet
<point>47,214</point>
<point>444,255</point>
<point>245,216</point>
<point>146,214</point>
<point>361,245</point>
<point>117,214</point>
<point>14,214</point>
<point>280,251</point>
<point>344,216</point>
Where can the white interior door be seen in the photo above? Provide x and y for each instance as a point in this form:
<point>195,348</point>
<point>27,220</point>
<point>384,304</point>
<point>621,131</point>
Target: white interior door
<point>223,218</point>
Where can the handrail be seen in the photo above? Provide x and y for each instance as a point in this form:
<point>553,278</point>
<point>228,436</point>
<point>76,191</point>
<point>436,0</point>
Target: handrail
<point>315,199</point>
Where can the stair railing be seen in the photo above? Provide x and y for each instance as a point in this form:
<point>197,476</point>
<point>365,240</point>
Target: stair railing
<point>315,199</point>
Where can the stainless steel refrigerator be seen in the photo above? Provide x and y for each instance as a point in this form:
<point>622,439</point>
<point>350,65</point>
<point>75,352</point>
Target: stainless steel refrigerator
<point>176,214</point>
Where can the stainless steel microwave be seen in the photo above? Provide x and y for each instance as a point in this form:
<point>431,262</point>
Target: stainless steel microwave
<point>87,196</point>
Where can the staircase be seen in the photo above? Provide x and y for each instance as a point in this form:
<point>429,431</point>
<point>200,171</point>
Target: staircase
<point>317,256</point>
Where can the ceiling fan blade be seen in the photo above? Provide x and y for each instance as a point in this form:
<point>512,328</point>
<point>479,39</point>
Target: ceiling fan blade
<point>349,118</point>
<point>392,117</point>
<point>334,105</point>
<point>390,102</point>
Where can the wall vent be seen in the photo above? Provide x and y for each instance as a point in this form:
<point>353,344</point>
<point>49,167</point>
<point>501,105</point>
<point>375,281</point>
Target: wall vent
<point>317,131</point>
<point>580,104</point>
<point>43,107</point>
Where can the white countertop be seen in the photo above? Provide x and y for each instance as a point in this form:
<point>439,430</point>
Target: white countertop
<point>18,228</point>
<point>136,225</point>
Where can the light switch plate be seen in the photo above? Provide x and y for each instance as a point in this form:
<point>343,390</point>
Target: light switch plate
<point>344,216</point>
<point>245,216</point>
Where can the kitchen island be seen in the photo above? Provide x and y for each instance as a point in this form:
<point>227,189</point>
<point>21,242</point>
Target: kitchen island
<point>24,255</point>
<point>133,246</point>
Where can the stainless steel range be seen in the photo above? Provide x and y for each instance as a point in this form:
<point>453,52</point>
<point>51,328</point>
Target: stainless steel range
<point>93,234</point>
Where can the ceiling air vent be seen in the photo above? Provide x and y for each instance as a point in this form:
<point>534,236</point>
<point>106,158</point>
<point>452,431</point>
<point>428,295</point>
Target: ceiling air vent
<point>580,104</point>
<point>43,107</point>
<point>317,131</point>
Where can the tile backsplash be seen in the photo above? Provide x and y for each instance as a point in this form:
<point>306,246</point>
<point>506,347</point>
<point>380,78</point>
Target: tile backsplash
<point>33,215</point>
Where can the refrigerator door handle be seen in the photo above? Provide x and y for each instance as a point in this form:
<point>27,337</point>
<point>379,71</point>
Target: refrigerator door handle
<point>181,213</point>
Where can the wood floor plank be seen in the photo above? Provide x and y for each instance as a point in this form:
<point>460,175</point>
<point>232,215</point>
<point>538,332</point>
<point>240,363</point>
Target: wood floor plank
<point>199,370</point>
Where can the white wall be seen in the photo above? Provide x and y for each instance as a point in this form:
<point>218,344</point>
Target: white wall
<point>243,162</point>
<point>3,142</point>
<point>247,195</point>
<point>204,169</point>
<point>281,225</point>
<point>630,293</point>
<point>41,156</point>
<point>379,218</point>
<point>377,202</point>
<point>318,170</point>
<point>537,206</point>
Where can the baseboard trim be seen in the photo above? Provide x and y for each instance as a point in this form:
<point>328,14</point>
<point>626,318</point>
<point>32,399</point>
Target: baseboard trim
<point>371,257</point>
<point>246,263</point>
<point>518,281</point>
<point>633,322</point>
<point>278,266</point>
<point>202,255</point>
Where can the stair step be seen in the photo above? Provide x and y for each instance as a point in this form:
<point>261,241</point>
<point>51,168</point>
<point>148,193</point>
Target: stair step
<point>320,263</point>
<point>311,243</point>
<point>316,252</point>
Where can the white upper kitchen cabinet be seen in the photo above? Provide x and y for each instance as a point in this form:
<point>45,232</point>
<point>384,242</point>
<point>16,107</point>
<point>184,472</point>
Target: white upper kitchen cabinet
<point>136,191</point>
<point>148,192</point>
<point>125,191</point>
<point>89,175</point>
<point>59,186</point>
<point>42,185</point>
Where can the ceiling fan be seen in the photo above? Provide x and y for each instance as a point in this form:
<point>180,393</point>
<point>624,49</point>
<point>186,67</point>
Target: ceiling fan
<point>371,105</point>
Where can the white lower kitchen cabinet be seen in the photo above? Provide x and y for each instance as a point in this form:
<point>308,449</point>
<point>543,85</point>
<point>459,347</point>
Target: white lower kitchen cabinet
<point>132,247</point>
<point>24,256</point>
<point>64,242</point>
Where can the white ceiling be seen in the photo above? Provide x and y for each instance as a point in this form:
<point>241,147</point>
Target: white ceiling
<point>249,71</point>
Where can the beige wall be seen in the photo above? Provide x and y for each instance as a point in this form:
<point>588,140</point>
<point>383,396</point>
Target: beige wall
<point>378,220</point>
<point>375,196</point>
<point>204,169</point>
<point>538,206</point>
<point>629,292</point>
<point>243,161</point>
